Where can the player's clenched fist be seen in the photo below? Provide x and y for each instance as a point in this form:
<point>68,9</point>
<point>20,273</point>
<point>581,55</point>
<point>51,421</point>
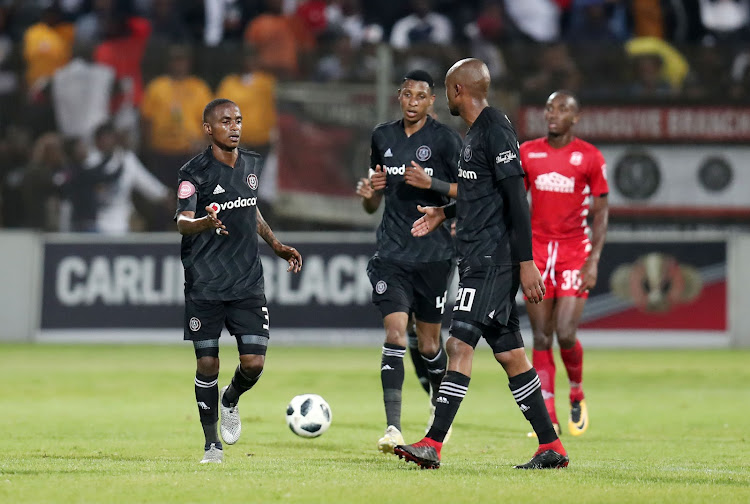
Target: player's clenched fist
<point>364,188</point>
<point>377,179</point>
<point>531,282</point>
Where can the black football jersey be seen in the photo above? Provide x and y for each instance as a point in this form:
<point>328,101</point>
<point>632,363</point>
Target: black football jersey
<point>489,155</point>
<point>436,148</point>
<point>219,267</point>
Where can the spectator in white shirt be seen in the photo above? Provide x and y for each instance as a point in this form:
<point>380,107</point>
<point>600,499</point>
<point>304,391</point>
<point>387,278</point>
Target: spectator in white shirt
<point>119,173</point>
<point>423,26</point>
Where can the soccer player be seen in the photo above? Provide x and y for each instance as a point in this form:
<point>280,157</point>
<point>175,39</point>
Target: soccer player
<point>413,161</point>
<point>493,234</point>
<point>567,179</point>
<point>220,223</point>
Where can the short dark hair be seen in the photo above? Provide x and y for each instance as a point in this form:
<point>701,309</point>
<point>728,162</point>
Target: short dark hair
<point>421,76</point>
<point>212,105</point>
<point>104,129</point>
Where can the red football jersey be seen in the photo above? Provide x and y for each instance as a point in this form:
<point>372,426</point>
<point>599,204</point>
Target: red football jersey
<point>560,182</point>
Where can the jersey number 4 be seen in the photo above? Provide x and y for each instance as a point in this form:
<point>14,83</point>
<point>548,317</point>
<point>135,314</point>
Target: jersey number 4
<point>464,299</point>
<point>440,302</point>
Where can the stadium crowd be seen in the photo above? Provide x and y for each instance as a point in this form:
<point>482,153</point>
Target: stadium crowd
<point>104,97</point>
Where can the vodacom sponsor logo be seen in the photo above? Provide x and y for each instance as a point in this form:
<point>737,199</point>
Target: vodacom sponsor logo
<point>235,203</point>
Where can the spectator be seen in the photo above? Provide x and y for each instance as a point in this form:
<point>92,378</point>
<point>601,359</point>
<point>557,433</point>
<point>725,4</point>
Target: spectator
<point>597,21</point>
<point>422,27</point>
<point>172,113</point>
<point>539,20</point>
<point>486,35</point>
<point>168,26</point>
<point>123,48</point>
<point>725,20</point>
<point>46,47</point>
<point>254,92</point>
<point>556,70</point>
<point>90,27</point>
<point>339,60</point>
<point>81,93</point>
<point>673,65</point>
<point>272,35</point>
<point>9,84</point>
<point>115,173</point>
<point>14,157</point>
<point>648,77</point>
<point>42,183</point>
<point>345,16</point>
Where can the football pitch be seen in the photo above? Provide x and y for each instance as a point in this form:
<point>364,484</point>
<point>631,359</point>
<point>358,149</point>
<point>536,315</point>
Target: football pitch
<point>119,424</point>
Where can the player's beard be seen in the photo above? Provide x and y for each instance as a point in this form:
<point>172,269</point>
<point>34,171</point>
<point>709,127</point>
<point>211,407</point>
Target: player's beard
<point>453,109</point>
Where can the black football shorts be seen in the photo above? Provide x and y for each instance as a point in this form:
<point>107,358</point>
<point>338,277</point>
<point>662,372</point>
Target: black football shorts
<point>204,319</point>
<point>486,306</point>
<point>404,287</point>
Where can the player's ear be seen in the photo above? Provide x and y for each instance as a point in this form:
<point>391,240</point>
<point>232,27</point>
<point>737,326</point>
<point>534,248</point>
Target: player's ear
<point>207,128</point>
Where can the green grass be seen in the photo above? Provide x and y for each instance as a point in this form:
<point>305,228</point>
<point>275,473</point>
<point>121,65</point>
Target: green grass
<point>119,424</point>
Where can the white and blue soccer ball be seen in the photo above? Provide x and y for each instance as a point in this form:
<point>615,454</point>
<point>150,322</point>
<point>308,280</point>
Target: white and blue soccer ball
<point>308,415</point>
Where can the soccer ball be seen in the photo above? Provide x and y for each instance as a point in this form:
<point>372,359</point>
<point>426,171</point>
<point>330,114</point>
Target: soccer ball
<point>308,415</point>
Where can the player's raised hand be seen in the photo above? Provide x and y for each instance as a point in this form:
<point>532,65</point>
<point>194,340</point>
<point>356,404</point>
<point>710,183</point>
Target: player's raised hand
<point>378,179</point>
<point>531,282</point>
<point>290,255</point>
<point>215,223</point>
<point>364,188</point>
<point>417,177</point>
<point>588,276</point>
<point>429,222</point>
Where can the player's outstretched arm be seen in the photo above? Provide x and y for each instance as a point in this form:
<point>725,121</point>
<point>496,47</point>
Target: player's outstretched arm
<point>187,224</point>
<point>599,213</point>
<point>430,221</point>
<point>417,177</point>
<point>289,254</point>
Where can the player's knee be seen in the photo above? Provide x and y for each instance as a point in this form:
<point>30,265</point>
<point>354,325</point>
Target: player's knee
<point>458,349</point>
<point>208,365</point>
<point>252,365</point>
<point>542,341</point>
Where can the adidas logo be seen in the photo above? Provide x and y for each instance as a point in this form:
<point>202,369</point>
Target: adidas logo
<point>524,408</point>
<point>388,153</point>
<point>436,371</point>
<point>203,405</point>
<point>491,314</point>
<point>219,189</point>
<point>386,368</point>
<point>442,399</point>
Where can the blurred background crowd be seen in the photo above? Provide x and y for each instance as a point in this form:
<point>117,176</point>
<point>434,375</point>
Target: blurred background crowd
<point>101,100</point>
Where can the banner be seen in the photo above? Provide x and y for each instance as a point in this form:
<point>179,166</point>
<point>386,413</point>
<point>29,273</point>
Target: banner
<point>139,285</point>
<point>323,150</point>
<point>660,285</point>
<point>663,124</point>
<point>685,181</point>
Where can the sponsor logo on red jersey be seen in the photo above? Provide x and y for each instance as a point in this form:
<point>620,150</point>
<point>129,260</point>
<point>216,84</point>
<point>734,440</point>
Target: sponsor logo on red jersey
<point>554,182</point>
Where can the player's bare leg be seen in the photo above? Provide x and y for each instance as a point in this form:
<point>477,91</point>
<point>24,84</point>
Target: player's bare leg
<point>541,317</point>
<point>455,383</point>
<point>567,316</point>
<point>526,388</point>
<point>392,378</point>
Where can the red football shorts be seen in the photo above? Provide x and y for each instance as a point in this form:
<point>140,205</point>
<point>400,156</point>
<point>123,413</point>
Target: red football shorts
<point>560,262</point>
